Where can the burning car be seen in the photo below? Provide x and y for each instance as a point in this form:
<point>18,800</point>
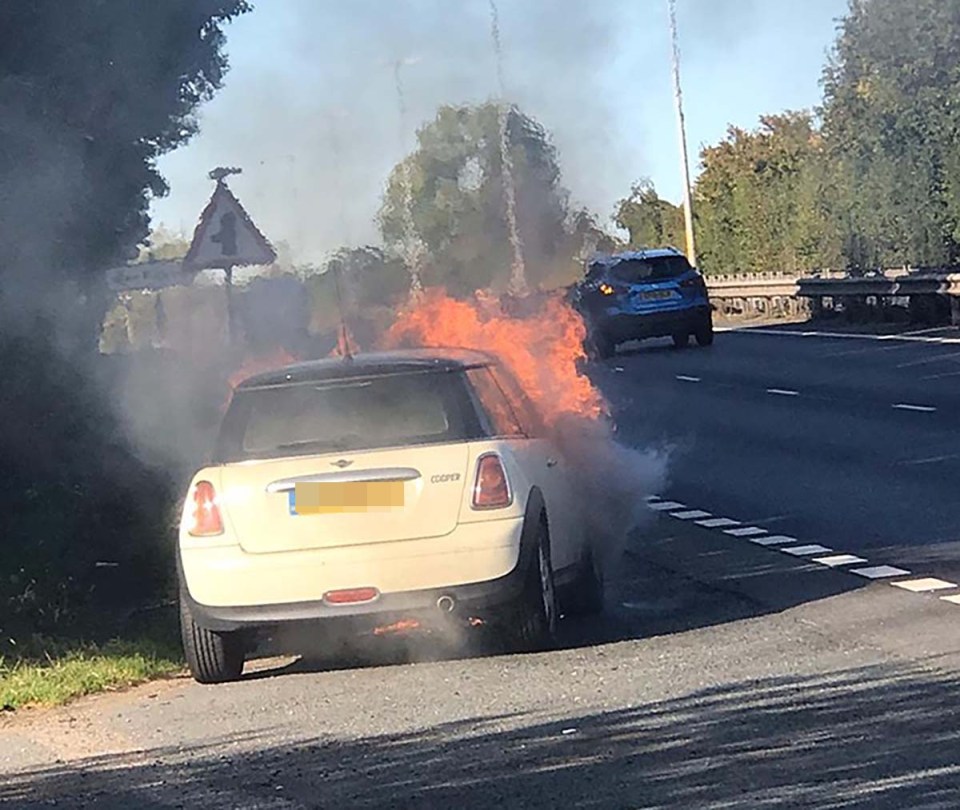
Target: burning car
<point>365,490</point>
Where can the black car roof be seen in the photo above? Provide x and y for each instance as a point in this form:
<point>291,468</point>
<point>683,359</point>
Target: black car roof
<point>374,364</point>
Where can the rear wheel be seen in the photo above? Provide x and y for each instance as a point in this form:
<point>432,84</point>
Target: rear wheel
<point>584,596</point>
<point>704,333</point>
<point>212,657</point>
<point>602,347</point>
<point>533,623</point>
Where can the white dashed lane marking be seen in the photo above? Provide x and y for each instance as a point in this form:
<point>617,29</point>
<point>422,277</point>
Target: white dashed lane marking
<point>806,551</point>
<point>822,555</point>
<point>774,540</point>
<point>746,531</point>
<point>685,378</point>
<point>924,585</point>
<point>839,559</point>
<point>905,406</point>
<point>931,460</point>
<point>880,572</point>
<point>717,523</point>
<point>666,506</point>
<point>783,392</point>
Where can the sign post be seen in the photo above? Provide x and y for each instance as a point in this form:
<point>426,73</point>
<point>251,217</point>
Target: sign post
<point>226,238</point>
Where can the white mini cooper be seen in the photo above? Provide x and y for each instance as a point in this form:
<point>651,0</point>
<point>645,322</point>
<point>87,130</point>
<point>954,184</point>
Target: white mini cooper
<point>365,490</point>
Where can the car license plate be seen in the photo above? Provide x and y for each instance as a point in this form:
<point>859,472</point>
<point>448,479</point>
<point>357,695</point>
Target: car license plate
<point>344,497</point>
<point>656,295</point>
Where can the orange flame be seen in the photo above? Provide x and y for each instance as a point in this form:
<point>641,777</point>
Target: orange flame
<point>264,362</point>
<point>543,348</point>
<point>397,627</point>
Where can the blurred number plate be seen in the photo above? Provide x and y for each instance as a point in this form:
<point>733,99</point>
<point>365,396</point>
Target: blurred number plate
<point>337,498</point>
<point>656,295</point>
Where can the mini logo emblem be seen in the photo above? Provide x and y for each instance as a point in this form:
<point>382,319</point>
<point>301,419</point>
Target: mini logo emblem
<point>342,463</point>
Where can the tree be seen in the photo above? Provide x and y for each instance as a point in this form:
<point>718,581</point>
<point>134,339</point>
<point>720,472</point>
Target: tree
<point>650,220</point>
<point>891,124</point>
<point>164,245</point>
<point>760,199</point>
<point>91,93</point>
<point>456,199</point>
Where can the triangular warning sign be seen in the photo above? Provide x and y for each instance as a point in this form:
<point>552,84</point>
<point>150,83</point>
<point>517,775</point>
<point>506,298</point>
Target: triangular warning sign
<point>226,236</point>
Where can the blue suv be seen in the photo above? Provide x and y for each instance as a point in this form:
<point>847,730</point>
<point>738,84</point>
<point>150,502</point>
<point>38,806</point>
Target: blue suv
<point>642,294</point>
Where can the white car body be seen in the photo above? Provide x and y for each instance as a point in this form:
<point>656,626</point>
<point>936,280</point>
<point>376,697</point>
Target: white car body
<point>261,565</point>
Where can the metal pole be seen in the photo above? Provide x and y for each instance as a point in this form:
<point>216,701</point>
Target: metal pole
<point>231,326</point>
<point>412,246</point>
<point>685,163</point>
<point>518,270</point>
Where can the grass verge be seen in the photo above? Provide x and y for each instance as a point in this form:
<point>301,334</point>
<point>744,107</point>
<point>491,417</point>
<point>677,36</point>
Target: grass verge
<point>54,672</point>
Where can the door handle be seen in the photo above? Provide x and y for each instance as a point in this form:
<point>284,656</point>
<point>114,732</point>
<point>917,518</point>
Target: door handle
<point>551,462</point>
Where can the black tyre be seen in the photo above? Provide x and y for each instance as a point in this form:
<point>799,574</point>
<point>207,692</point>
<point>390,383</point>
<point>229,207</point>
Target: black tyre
<point>212,657</point>
<point>681,340</point>
<point>704,333</point>
<point>585,595</point>
<point>533,621</point>
<point>601,347</point>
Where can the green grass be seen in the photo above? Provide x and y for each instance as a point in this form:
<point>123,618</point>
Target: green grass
<point>55,672</point>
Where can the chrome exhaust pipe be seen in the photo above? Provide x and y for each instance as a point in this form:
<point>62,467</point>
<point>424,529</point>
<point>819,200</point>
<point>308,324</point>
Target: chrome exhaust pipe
<point>446,604</point>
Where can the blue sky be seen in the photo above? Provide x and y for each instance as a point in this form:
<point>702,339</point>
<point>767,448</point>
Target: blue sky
<point>311,113</point>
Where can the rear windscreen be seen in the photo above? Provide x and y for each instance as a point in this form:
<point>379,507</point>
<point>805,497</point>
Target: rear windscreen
<point>348,415</point>
<point>633,271</point>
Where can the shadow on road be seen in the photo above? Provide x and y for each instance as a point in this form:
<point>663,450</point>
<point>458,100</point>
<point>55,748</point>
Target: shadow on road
<point>877,737</point>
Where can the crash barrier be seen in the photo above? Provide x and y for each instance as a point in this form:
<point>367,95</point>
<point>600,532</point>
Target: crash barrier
<point>921,295</point>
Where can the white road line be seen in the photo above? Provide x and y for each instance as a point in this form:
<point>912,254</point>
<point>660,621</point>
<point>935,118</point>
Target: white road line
<point>666,506</point>
<point>685,378</point>
<point>843,335</point>
<point>924,585</point>
<point>927,360</point>
<point>693,514</point>
<point>880,572</point>
<point>941,376</point>
<point>652,498</point>
<point>953,599</point>
<point>839,559</point>
<point>783,392</point>
<point>746,531</point>
<point>903,406</point>
<point>931,460</point>
<point>806,551</point>
<point>717,523</point>
<point>774,540</point>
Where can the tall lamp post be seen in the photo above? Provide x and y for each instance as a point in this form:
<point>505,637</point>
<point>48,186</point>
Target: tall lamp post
<point>685,163</point>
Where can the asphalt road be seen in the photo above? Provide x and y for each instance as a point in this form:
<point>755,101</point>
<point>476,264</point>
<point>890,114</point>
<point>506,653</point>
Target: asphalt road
<point>726,673</point>
<point>849,442</point>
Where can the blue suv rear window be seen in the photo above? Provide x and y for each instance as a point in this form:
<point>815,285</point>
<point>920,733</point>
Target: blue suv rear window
<point>636,271</point>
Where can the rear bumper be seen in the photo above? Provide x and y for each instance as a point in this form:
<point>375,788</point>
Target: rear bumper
<point>621,327</point>
<point>469,600</point>
<point>479,566</point>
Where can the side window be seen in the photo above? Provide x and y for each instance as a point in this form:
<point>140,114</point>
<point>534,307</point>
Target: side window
<point>504,421</point>
<point>526,411</point>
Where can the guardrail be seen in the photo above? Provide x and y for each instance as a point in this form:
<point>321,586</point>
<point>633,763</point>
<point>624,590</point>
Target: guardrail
<point>928,294</point>
<point>756,294</point>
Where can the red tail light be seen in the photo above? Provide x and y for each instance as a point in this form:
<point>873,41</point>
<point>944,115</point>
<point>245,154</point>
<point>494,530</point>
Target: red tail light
<point>491,489</point>
<point>206,511</point>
